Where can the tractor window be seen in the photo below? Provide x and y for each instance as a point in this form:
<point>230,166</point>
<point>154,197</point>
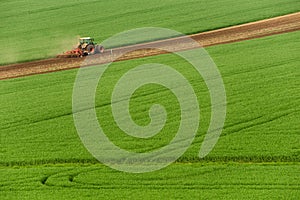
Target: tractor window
<point>86,41</point>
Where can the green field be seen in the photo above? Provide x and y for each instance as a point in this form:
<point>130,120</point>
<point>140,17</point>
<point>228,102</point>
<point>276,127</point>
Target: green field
<point>257,155</point>
<point>40,29</point>
<point>179,181</point>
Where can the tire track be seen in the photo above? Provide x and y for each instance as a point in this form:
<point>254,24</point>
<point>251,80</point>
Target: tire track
<point>75,179</point>
<point>260,120</point>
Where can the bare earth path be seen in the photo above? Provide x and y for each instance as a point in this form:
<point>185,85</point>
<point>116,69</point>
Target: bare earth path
<point>277,25</point>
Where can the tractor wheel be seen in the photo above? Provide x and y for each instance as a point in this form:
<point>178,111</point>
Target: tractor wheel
<point>90,49</point>
<point>99,49</point>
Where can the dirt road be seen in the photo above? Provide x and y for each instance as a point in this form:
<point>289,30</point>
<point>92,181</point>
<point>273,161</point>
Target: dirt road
<point>282,24</point>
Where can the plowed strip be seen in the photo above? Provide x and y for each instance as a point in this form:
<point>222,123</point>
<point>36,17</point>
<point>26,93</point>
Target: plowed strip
<point>277,25</point>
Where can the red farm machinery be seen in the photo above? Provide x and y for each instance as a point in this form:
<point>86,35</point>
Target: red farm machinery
<point>85,47</point>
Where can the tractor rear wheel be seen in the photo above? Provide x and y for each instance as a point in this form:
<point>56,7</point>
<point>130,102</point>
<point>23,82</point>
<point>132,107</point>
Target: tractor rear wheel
<point>90,49</point>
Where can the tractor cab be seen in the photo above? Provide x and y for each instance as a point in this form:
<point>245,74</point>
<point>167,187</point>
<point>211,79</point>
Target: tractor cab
<point>86,40</point>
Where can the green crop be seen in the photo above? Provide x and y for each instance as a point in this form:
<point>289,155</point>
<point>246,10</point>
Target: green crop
<point>39,29</point>
<point>256,156</point>
<point>178,181</point>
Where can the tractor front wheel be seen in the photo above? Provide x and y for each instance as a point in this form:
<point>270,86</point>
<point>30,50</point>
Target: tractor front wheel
<point>99,49</point>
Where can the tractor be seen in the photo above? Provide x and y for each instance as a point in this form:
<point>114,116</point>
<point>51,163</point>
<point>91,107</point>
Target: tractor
<point>86,46</point>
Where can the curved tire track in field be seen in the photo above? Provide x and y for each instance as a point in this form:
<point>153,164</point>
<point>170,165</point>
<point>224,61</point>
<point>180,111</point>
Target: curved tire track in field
<point>65,177</point>
<point>98,177</point>
<point>77,179</point>
<point>277,25</point>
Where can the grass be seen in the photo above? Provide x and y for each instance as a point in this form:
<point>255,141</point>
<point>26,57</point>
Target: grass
<point>179,181</point>
<point>32,30</point>
<point>257,155</point>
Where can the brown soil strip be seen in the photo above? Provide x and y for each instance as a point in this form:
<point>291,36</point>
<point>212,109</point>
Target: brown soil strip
<point>277,25</point>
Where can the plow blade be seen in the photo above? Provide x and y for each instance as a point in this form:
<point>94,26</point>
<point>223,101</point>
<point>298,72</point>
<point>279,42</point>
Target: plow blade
<point>71,54</point>
<point>68,56</point>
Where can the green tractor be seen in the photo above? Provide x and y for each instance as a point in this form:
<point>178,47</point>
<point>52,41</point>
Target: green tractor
<point>85,47</point>
<point>89,47</point>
